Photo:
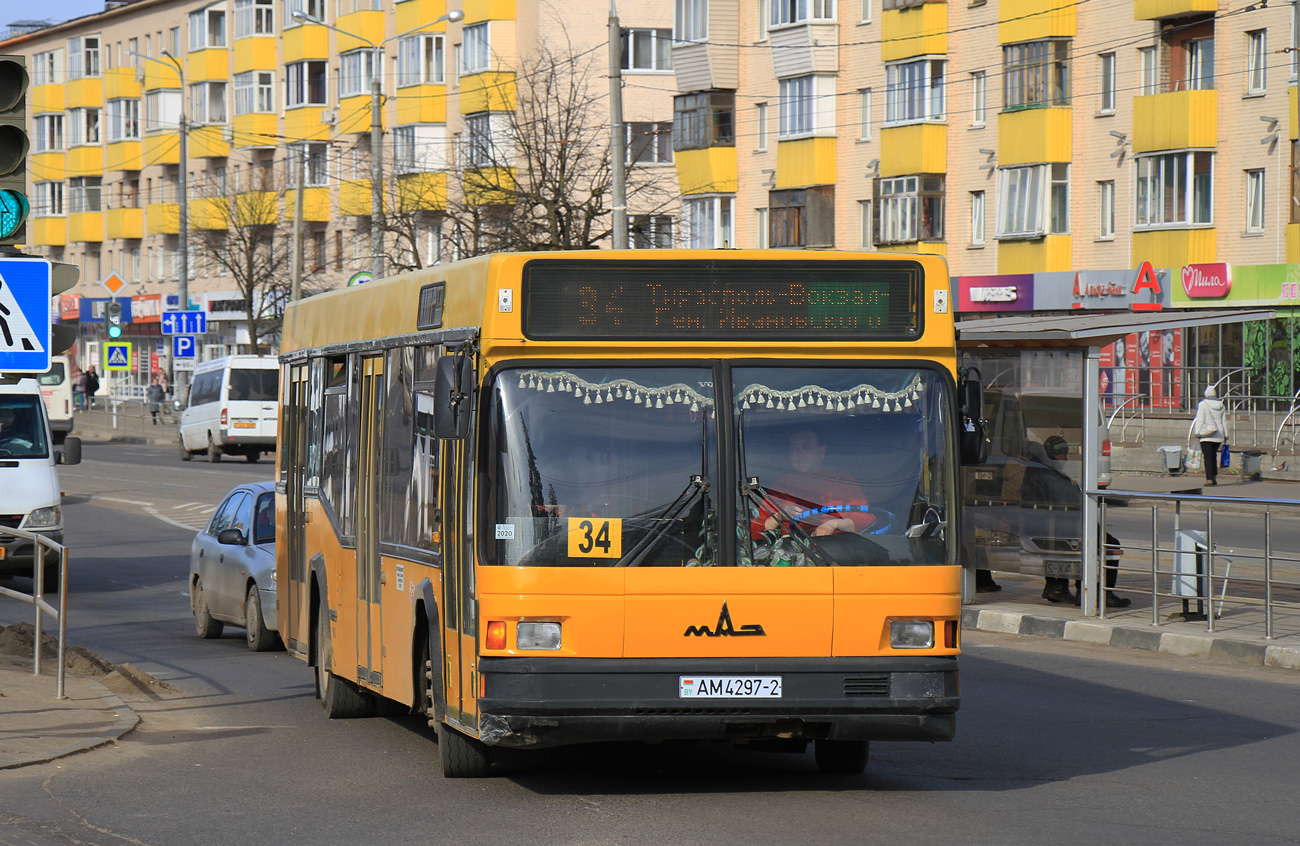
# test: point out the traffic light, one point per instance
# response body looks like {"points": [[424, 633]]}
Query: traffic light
{"points": [[113, 316], [14, 144]]}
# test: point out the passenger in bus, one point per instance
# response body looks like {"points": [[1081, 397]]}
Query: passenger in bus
{"points": [[810, 486]]}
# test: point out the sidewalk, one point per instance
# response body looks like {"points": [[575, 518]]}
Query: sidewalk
{"points": [[131, 424]]}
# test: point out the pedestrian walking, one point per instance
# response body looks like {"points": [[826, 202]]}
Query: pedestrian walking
{"points": [[92, 387], [155, 396], [1211, 428], [79, 391]]}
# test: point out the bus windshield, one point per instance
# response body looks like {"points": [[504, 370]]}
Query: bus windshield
{"points": [[617, 466]]}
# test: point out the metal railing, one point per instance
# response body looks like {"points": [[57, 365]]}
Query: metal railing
{"points": [[1186, 559], [37, 598]]}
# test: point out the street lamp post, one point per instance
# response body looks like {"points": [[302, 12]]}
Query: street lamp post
{"points": [[180, 377], [377, 128]]}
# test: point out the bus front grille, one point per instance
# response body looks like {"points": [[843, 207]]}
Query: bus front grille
{"points": [[876, 684]]}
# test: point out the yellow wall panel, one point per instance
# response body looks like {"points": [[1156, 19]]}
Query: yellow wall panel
{"points": [[124, 155], [1150, 10], [354, 197], [484, 186], [1175, 121], [86, 227], [928, 248], [304, 124], [355, 115], [256, 130], [1175, 247], [163, 218], [918, 31], [86, 161], [162, 148], [158, 75], [210, 213], [421, 104], [120, 83], [306, 41], [124, 223], [208, 65], [209, 142], [47, 167], [85, 93], [47, 98], [488, 10], [807, 161], [487, 92], [1043, 255], [255, 208], [48, 231], [421, 192], [916, 148], [315, 203], [1032, 136], [254, 53], [369, 25], [417, 13], [1293, 243], [1034, 20], [708, 171]]}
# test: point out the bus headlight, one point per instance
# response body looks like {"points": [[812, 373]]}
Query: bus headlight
{"points": [[911, 634], [537, 635], [44, 518]]}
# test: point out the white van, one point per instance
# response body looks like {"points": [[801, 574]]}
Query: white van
{"points": [[29, 484], [56, 388], [231, 408]]}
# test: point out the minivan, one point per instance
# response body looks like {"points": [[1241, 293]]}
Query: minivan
{"points": [[56, 388], [231, 408], [29, 484]]}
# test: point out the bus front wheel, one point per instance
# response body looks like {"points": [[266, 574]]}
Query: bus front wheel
{"points": [[841, 757], [462, 756], [339, 699]]}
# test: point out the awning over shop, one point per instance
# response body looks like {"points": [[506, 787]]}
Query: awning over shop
{"points": [[1087, 329]]}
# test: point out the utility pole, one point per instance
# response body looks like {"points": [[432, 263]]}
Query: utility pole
{"points": [[295, 287], [618, 131], [376, 169]]}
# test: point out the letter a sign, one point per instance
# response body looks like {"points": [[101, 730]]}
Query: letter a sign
{"points": [[1146, 281]]}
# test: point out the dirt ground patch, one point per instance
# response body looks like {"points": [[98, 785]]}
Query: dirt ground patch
{"points": [[19, 638]]}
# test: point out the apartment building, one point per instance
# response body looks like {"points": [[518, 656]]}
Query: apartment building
{"points": [[273, 100]]}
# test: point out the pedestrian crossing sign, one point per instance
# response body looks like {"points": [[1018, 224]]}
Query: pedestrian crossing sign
{"points": [[25, 315], [117, 355]]}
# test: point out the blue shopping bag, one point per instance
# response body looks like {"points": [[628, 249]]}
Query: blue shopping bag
{"points": [[1223, 456]]}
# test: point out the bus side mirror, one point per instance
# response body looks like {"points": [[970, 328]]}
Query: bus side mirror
{"points": [[972, 442], [452, 394]]}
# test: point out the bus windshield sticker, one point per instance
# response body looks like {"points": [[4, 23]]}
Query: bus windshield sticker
{"points": [[595, 537], [505, 531]]}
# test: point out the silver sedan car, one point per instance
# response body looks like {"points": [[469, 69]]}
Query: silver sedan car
{"points": [[232, 567]]}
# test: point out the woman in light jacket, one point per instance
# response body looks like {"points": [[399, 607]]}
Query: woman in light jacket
{"points": [[1211, 427]]}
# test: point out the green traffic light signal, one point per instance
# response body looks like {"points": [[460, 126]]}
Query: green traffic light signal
{"points": [[14, 144], [14, 209], [115, 331]]}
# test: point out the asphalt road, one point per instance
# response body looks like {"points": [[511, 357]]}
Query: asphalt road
{"points": [[1057, 742]]}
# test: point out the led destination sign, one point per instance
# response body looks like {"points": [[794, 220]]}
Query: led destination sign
{"points": [[721, 300]]}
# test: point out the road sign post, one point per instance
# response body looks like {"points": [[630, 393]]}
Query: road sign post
{"points": [[25, 315]]}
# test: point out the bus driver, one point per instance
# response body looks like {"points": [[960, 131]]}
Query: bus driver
{"points": [[811, 486]]}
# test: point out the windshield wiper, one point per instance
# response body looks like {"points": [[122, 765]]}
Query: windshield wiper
{"points": [[662, 521]]}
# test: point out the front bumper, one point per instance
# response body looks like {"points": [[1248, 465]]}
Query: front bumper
{"points": [[19, 553], [535, 703]]}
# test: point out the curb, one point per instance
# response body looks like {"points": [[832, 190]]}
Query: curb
{"points": [[126, 722], [1099, 633]]}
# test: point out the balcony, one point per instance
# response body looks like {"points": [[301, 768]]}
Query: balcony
{"points": [[124, 156], [1154, 10], [1034, 20], [48, 231], [86, 161], [210, 213], [1176, 247], [915, 31], [711, 170], [805, 161], [86, 227], [1033, 136], [1048, 254], [805, 48], [355, 115], [421, 104], [421, 192], [315, 203], [210, 141], [163, 218], [367, 24], [124, 223], [1175, 121], [304, 124], [48, 98], [120, 83], [255, 53], [354, 197], [913, 148], [212, 64], [85, 93], [305, 41], [255, 130], [491, 91], [162, 148]]}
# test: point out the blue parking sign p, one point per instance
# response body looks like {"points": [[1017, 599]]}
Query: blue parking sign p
{"points": [[25, 315], [183, 346]]}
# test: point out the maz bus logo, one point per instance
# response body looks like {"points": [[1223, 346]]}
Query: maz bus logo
{"points": [[726, 628]]}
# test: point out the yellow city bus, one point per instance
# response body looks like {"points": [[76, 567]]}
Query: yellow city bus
{"points": [[555, 498]]}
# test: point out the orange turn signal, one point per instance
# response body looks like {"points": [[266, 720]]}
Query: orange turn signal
{"points": [[496, 635]]}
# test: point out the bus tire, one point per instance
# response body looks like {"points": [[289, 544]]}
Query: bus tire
{"points": [[841, 757], [186, 455], [204, 625], [340, 699], [260, 638], [214, 451], [462, 756]]}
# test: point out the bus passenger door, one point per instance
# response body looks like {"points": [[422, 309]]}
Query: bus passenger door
{"points": [[296, 617], [370, 474], [458, 636]]}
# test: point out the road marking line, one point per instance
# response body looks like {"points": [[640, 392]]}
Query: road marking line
{"points": [[190, 505]]}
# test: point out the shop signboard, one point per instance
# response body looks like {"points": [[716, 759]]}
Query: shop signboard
{"points": [[1013, 292], [1238, 286]]}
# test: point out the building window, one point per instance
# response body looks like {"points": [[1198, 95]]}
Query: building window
{"points": [[1255, 201], [785, 12], [802, 217], [796, 107], [760, 113], [651, 232], [207, 29], [647, 49], [49, 199], [865, 224], [356, 72], [479, 148], [45, 67], [1257, 61], [650, 143], [914, 91], [316, 158], [708, 222], [864, 11], [208, 102], [123, 120], [314, 8], [305, 84], [864, 114], [1108, 81], [476, 50], [704, 120], [173, 41], [977, 218], [255, 92], [162, 110], [1059, 200], [83, 193], [1295, 39], [1200, 64], [691, 22], [760, 229], [1106, 209], [1036, 73], [83, 56], [254, 17], [49, 133], [1174, 189], [83, 127], [1033, 201], [421, 60], [979, 97], [1148, 71], [910, 209]]}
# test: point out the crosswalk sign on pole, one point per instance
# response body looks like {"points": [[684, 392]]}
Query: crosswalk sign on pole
{"points": [[25, 315], [117, 355]]}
